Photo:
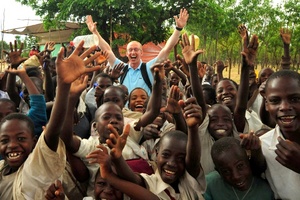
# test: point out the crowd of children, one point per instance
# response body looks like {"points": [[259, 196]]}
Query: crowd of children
{"points": [[85, 125]]}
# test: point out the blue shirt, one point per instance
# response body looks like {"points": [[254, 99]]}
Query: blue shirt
{"points": [[134, 77]]}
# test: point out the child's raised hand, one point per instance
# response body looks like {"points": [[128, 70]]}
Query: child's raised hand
{"points": [[101, 157], [243, 33], [116, 71], [285, 35], [192, 112], [78, 86], [201, 69], [158, 71], [182, 65], [18, 71], [172, 102], [188, 50], [15, 54], [150, 132], [220, 66], [69, 69], [288, 154], [117, 142], [55, 191], [249, 51], [250, 141]]}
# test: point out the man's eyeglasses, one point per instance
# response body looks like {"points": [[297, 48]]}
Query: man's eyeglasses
{"points": [[134, 49]]}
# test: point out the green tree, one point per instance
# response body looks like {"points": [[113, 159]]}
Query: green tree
{"points": [[141, 20], [3, 46]]}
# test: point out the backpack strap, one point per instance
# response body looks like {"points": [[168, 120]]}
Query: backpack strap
{"points": [[144, 75], [122, 77]]}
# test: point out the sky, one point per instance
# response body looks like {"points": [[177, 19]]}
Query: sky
{"points": [[14, 15]]}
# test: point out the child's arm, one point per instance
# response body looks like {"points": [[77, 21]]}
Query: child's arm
{"points": [[252, 142], [190, 56], [132, 190], [174, 108], [285, 35], [116, 143], [68, 70], [154, 104], [25, 79], [170, 66], [248, 57], [193, 116], [37, 111], [71, 141], [220, 68], [55, 191], [15, 60], [44, 58]]}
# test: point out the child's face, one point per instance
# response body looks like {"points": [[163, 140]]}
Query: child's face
{"points": [[220, 122], [174, 79], [103, 190], [265, 74], [5, 109], [103, 82], [234, 168], [137, 100], [283, 104], [16, 142], [171, 159], [109, 114], [209, 70], [113, 95], [214, 81], [226, 93]]}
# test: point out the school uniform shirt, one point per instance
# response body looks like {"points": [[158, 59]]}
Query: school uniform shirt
{"points": [[253, 123], [284, 181], [131, 151], [189, 187], [134, 77], [257, 104], [6, 183], [218, 189], [206, 142], [42, 167]]}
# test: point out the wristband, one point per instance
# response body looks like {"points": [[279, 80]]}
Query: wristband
{"points": [[178, 29]]}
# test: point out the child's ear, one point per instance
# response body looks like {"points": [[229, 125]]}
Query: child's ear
{"points": [[266, 103]]}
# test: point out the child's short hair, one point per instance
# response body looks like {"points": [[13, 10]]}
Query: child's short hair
{"points": [[137, 88], [234, 83], [103, 75], [284, 73], [4, 100], [21, 117], [119, 89], [179, 135], [224, 144]]}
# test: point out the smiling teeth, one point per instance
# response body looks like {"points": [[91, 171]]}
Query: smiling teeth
{"points": [[239, 184], [169, 172], [287, 117], [13, 155], [139, 106], [227, 98], [220, 131]]}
